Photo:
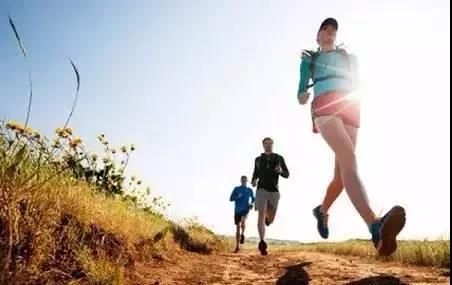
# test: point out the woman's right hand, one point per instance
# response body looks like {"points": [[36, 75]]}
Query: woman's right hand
{"points": [[303, 98]]}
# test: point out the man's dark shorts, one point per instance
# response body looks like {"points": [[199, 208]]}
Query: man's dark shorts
{"points": [[238, 217]]}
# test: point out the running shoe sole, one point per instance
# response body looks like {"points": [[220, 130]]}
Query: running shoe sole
{"points": [[389, 231], [242, 239]]}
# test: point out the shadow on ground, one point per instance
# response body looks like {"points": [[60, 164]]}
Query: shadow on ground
{"points": [[378, 280], [295, 275]]}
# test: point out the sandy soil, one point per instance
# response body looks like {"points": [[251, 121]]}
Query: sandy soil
{"points": [[283, 268]]}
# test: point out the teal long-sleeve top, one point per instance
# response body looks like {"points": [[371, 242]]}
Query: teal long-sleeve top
{"points": [[341, 73]]}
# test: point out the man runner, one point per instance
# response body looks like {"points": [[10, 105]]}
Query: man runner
{"points": [[241, 196], [267, 169]]}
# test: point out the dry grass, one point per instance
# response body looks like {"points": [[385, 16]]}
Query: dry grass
{"points": [[101, 270], [64, 231], [113, 214], [422, 253], [412, 252], [196, 238]]}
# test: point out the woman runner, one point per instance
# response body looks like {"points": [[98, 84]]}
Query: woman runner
{"points": [[336, 116]]}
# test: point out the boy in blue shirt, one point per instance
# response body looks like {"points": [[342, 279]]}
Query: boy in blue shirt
{"points": [[241, 196]]}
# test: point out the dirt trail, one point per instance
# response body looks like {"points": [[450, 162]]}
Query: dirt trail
{"points": [[285, 268]]}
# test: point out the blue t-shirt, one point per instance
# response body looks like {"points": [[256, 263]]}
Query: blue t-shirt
{"points": [[241, 196]]}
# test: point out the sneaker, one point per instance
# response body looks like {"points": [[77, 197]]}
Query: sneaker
{"points": [[322, 222], [267, 222], [263, 248], [237, 250], [242, 239], [385, 231]]}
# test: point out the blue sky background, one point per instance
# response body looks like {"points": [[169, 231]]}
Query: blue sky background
{"points": [[197, 84]]}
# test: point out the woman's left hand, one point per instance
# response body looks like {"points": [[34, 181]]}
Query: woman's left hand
{"points": [[303, 98]]}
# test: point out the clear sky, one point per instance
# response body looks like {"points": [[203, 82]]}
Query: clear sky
{"points": [[197, 84]]}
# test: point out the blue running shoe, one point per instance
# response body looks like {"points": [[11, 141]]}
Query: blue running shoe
{"points": [[385, 231], [322, 223]]}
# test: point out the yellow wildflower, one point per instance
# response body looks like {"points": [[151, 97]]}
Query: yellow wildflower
{"points": [[75, 142], [56, 143], [11, 125], [36, 135], [17, 127], [63, 133], [28, 131]]}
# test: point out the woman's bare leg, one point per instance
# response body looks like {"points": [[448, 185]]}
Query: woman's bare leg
{"points": [[334, 189], [336, 186], [335, 134]]}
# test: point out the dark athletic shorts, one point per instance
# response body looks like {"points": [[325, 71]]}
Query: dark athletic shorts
{"points": [[238, 217], [336, 103]]}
